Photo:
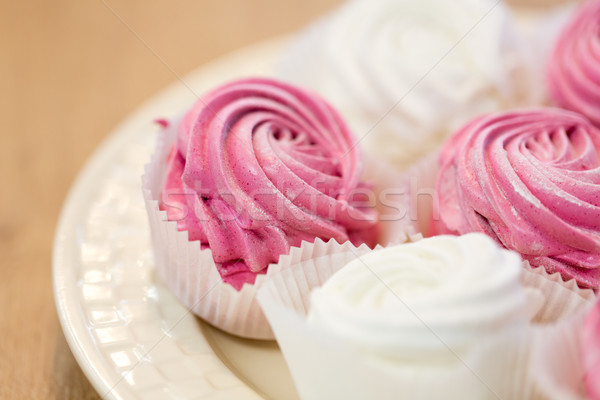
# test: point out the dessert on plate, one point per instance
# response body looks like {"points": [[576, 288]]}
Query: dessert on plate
{"points": [[530, 179], [260, 187], [254, 169]]}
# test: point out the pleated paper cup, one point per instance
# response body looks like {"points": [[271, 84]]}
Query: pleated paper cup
{"points": [[192, 276], [561, 299], [556, 366], [324, 367]]}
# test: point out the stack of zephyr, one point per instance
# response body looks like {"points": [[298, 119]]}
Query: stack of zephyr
{"points": [[409, 205]]}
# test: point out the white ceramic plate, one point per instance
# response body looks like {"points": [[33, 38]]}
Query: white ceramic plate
{"points": [[130, 336]]}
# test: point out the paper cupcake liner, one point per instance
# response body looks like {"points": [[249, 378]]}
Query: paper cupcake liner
{"points": [[556, 367], [191, 275], [561, 299], [497, 367]]}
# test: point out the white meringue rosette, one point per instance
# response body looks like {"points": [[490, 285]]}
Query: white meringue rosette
{"points": [[191, 275], [422, 319], [405, 73]]}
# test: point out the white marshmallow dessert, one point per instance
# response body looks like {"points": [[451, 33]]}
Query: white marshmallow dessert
{"points": [[425, 302], [406, 73]]}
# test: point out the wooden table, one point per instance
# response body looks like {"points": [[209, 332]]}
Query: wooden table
{"points": [[70, 71]]}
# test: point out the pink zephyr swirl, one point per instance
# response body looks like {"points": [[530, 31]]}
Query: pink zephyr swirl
{"points": [[574, 68], [260, 166], [590, 352], [531, 180]]}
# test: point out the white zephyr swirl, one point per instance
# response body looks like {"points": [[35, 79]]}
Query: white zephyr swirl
{"points": [[424, 302], [405, 73]]}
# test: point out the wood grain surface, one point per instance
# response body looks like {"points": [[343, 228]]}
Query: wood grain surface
{"points": [[70, 70]]}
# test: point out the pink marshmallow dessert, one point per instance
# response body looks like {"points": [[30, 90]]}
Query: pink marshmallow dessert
{"points": [[530, 179], [257, 169], [574, 67]]}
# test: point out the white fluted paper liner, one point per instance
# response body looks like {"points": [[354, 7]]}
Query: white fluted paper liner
{"points": [[191, 275], [562, 299], [324, 367]]}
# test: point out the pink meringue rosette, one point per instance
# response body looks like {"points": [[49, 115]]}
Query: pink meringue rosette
{"points": [[555, 361], [562, 295], [258, 175], [574, 66], [531, 180]]}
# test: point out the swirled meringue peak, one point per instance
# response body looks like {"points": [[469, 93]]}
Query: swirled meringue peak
{"points": [[590, 352], [260, 166], [531, 180], [574, 67], [406, 73], [425, 302]]}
